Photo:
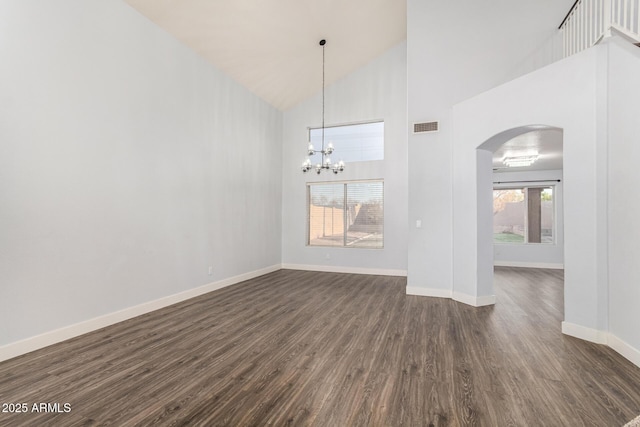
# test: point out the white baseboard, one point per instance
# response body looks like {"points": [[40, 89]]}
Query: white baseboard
{"points": [[48, 338], [525, 264], [600, 337], [627, 351], [474, 301], [351, 270], [429, 292], [584, 333], [456, 296]]}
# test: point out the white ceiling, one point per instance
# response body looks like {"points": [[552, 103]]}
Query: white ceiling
{"points": [[271, 46], [546, 143]]}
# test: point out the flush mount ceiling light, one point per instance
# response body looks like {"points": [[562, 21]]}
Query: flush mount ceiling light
{"points": [[325, 160], [520, 161]]}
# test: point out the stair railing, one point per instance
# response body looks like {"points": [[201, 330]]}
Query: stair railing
{"points": [[590, 21]]}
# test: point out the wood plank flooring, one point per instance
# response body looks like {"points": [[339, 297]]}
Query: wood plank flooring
{"points": [[324, 349]]}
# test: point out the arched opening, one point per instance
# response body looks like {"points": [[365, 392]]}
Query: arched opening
{"points": [[520, 201]]}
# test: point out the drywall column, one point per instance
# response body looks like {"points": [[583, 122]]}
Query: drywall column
{"points": [[561, 95], [484, 181], [624, 199]]}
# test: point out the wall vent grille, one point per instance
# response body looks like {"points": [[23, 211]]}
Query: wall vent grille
{"points": [[426, 127]]}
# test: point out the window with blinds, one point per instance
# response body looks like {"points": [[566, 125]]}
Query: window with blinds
{"points": [[346, 214]]}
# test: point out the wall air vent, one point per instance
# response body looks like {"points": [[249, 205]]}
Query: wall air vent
{"points": [[426, 127]]}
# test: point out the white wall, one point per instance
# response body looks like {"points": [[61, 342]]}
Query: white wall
{"points": [[128, 165], [624, 195], [550, 51], [593, 96], [456, 50], [534, 255], [375, 91], [562, 95]]}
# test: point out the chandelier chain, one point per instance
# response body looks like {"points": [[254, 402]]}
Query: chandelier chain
{"points": [[323, 97], [324, 152]]}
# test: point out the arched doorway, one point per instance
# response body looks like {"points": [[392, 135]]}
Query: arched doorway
{"points": [[520, 201]]}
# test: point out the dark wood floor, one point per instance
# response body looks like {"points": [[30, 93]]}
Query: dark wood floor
{"points": [[302, 348]]}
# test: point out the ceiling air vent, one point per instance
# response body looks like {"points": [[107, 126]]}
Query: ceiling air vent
{"points": [[426, 127]]}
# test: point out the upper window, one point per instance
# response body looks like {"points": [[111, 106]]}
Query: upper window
{"points": [[352, 143], [348, 214], [523, 215]]}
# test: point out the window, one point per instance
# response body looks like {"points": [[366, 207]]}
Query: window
{"points": [[353, 143], [358, 223], [523, 215]]}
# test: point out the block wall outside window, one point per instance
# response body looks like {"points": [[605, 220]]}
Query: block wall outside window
{"points": [[346, 214], [523, 215]]}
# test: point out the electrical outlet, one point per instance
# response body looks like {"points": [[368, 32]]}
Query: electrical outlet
{"points": [[210, 270], [418, 223]]}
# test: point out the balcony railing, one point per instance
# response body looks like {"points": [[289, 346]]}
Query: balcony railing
{"points": [[589, 21]]}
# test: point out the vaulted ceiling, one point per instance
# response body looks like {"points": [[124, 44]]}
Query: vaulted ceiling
{"points": [[271, 46]]}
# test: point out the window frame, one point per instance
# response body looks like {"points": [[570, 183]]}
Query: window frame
{"points": [[525, 188], [364, 122], [345, 184]]}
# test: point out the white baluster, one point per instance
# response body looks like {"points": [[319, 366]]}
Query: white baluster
{"points": [[587, 15], [633, 17], [572, 36], [575, 32], [631, 23], [583, 25], [617, 12], [594, 22], [625, 19], [607, 18], [600, 18], [569, 40], [590, 30], [638, 17], [580, 11]]}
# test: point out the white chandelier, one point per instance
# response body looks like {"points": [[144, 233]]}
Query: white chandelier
{"points": [[325, 162]]}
